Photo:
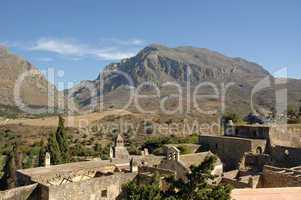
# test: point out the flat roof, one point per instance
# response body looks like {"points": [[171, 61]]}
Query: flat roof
{"points": [[69, 168], [286, 193]]}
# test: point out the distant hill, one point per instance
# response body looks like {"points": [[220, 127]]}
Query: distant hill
{"points": [[159, 64], [34, 88]]}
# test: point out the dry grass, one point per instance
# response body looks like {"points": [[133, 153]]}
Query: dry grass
{"points": [[70, 121]]}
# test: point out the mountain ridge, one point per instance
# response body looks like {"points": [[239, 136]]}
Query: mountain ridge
{"points": [[159, 64]]}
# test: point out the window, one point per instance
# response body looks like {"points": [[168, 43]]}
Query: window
{"points": [[104, 193]]}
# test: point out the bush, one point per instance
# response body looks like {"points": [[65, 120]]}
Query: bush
{"points": [[134, 150], [231, 116]]}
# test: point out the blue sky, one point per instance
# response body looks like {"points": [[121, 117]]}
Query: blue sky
{"points": [[81, 37]]}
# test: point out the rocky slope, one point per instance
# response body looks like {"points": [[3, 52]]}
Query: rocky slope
{"points": [[34, 88]]}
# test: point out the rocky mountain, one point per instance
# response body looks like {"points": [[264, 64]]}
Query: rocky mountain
{"points": [[34, 87], [159, 64]]}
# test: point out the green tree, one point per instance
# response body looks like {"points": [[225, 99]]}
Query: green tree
{"points": [[42, 154], [62, 141], [231, 116], [8, 179], [133, 191], [196, 187], [54, 150]]}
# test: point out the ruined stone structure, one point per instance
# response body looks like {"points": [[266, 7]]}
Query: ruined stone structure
{"points": [[91, 180], [282, 143], [249, 150], [245, 152], [231, 150], [102, 179]]}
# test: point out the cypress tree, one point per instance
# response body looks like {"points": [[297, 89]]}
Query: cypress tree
{"points": [[54, 150], [42, 153], [62, 141]]}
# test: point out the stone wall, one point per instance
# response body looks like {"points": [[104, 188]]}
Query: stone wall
{"points": [[286, 156], [175, 166], [280, 177], [160, 171], [231, 150], [106, 187], [20, 193], [289, 136], [249, 131]]}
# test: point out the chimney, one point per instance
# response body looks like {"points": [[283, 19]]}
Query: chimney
{"points": [[47, 159]]}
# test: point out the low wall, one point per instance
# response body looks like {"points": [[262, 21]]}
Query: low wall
{"points": [[19, 193], [106, 187], [235, 183], [280, 177]]}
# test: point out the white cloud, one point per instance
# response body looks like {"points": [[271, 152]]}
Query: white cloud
{"points": [[113, 55], [45, 59], [117, 50], [57, 46], [129, 42]]}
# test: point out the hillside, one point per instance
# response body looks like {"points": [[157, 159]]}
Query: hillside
{"points": [[34, 88]]}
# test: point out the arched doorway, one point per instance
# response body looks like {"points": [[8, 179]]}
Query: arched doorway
{"points": [[259, 150]]}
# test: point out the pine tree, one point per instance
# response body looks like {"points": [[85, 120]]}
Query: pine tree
{"points": [[62, 141], [54, 150]]}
